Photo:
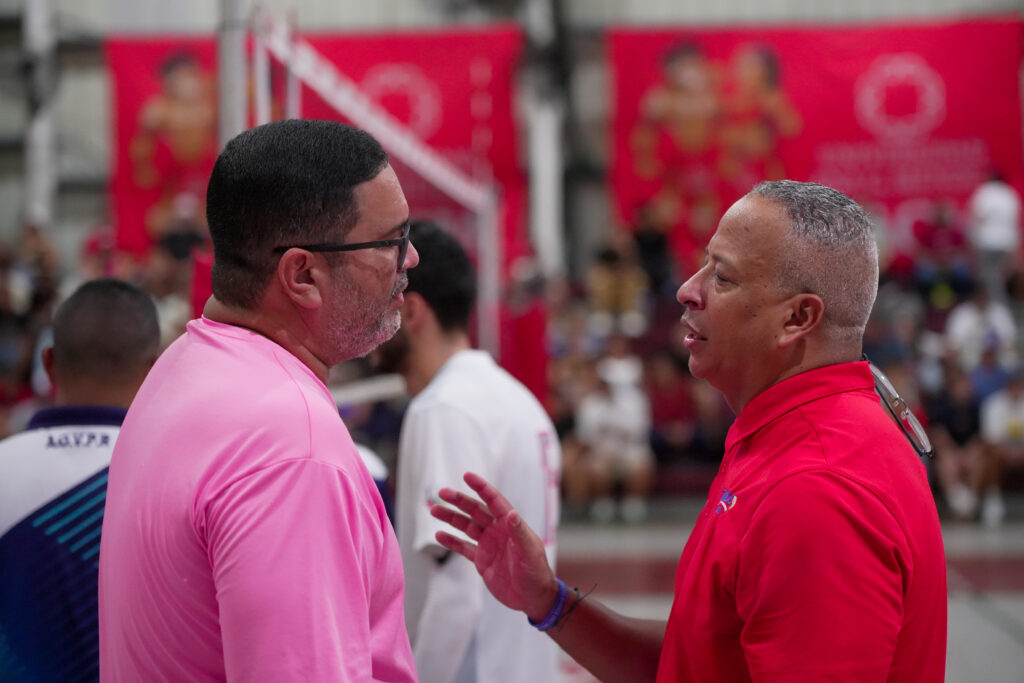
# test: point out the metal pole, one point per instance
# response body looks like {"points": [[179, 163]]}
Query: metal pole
{"points": [[293, 88], [40, 143], [545, 116], [231, 70], [261, 74], [489, 269]]}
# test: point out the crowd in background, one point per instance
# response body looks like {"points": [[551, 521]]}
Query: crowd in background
{"points": [[946, 329], [633, 422]]}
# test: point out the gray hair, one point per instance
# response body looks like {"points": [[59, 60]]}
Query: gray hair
{"points": [[830, 251]]}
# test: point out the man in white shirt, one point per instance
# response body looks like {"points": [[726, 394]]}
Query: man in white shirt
{"points": [[1002, 431], [979, 323], [995, 231], [467, 414]]}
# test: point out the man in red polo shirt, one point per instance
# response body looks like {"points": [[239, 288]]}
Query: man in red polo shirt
{"points": [[818, 555]]}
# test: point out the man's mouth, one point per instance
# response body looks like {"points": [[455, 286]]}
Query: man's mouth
{"points": [[693, 335], [400, 286]]}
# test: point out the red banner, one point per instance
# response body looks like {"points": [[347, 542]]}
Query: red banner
{"points": [[452, 88], [164, 136], [897, 116]]}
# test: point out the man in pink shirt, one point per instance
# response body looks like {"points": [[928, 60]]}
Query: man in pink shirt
{"points": [[818, 555], [243, 537]]}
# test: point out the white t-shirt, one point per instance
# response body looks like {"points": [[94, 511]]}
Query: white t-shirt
{"points": [[615, 424], [995, 213], [1002, 419], [473, 416], [970, 329]]}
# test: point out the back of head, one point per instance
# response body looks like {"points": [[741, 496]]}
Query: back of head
{"points": [[445, 277], [105, 334], [830, 251], [283, 183]]}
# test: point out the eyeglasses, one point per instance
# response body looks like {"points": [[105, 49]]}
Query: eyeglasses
{"points": [[901, 413], [401, 242]]}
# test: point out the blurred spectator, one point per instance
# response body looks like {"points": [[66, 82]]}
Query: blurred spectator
{"points": [[617, 289], [655, 254], [881, 344], [1015, 291], [978, 323], [168, 279], [995, 231], [955, 429], [673, 413], [942, 269], [620, 366], [612, 425], [989, 375], [1002, 429]]}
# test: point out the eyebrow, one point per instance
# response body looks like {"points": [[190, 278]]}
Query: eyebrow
{"points": [[724, 260], [400, 228]]}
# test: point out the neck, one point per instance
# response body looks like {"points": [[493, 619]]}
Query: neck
{"points": [[96, 394], [803, 358], [429, 353], [293, 336]]}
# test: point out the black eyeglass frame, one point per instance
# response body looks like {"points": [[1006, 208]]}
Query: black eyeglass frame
{"points": [[901, 414], [401, 242]]}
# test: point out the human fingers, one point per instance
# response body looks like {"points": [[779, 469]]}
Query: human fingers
{"points": [[458, 545], [458, 521], [496, 503], [471, 506]]}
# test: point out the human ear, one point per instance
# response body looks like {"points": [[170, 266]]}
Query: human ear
{"points": [[804, 313], [301, 275]]}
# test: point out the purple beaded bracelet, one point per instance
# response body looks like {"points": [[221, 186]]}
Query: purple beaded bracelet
{"points": [[556, 611]]}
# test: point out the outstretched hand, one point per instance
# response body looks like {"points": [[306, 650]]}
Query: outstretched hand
{"points": [[508, 555]]}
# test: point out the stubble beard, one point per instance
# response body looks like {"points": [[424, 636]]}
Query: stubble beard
{"points": [[354, 338]]}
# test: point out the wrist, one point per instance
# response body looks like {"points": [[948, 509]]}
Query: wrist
{"points": [[545, 600], [542, 619]]}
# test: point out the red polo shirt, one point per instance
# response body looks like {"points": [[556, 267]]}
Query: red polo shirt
{"points": [[818, 555]]}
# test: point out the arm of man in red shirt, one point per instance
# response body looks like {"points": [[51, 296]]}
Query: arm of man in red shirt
{"points": [[510, 558]]}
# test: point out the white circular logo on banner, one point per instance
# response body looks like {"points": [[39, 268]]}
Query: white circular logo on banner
{"points": [[408, 81], [905, 71]]}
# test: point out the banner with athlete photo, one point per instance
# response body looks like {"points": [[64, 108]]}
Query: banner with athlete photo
{"points": [[899, 116], [164, 140], [452, 88]]}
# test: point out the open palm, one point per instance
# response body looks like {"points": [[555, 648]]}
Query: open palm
{"points": [[507, 554]]}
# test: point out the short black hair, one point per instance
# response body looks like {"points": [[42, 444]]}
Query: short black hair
{"points": [[285, 182], [445, 276], [106, 332]]}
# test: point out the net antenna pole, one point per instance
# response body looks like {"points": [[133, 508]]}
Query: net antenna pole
{"points": [[489, 275], [293, 88], [39, 43], [232, 72], [261, 75]]}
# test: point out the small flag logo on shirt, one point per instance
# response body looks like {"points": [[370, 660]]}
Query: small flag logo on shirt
{"points": [[726, 502]]}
